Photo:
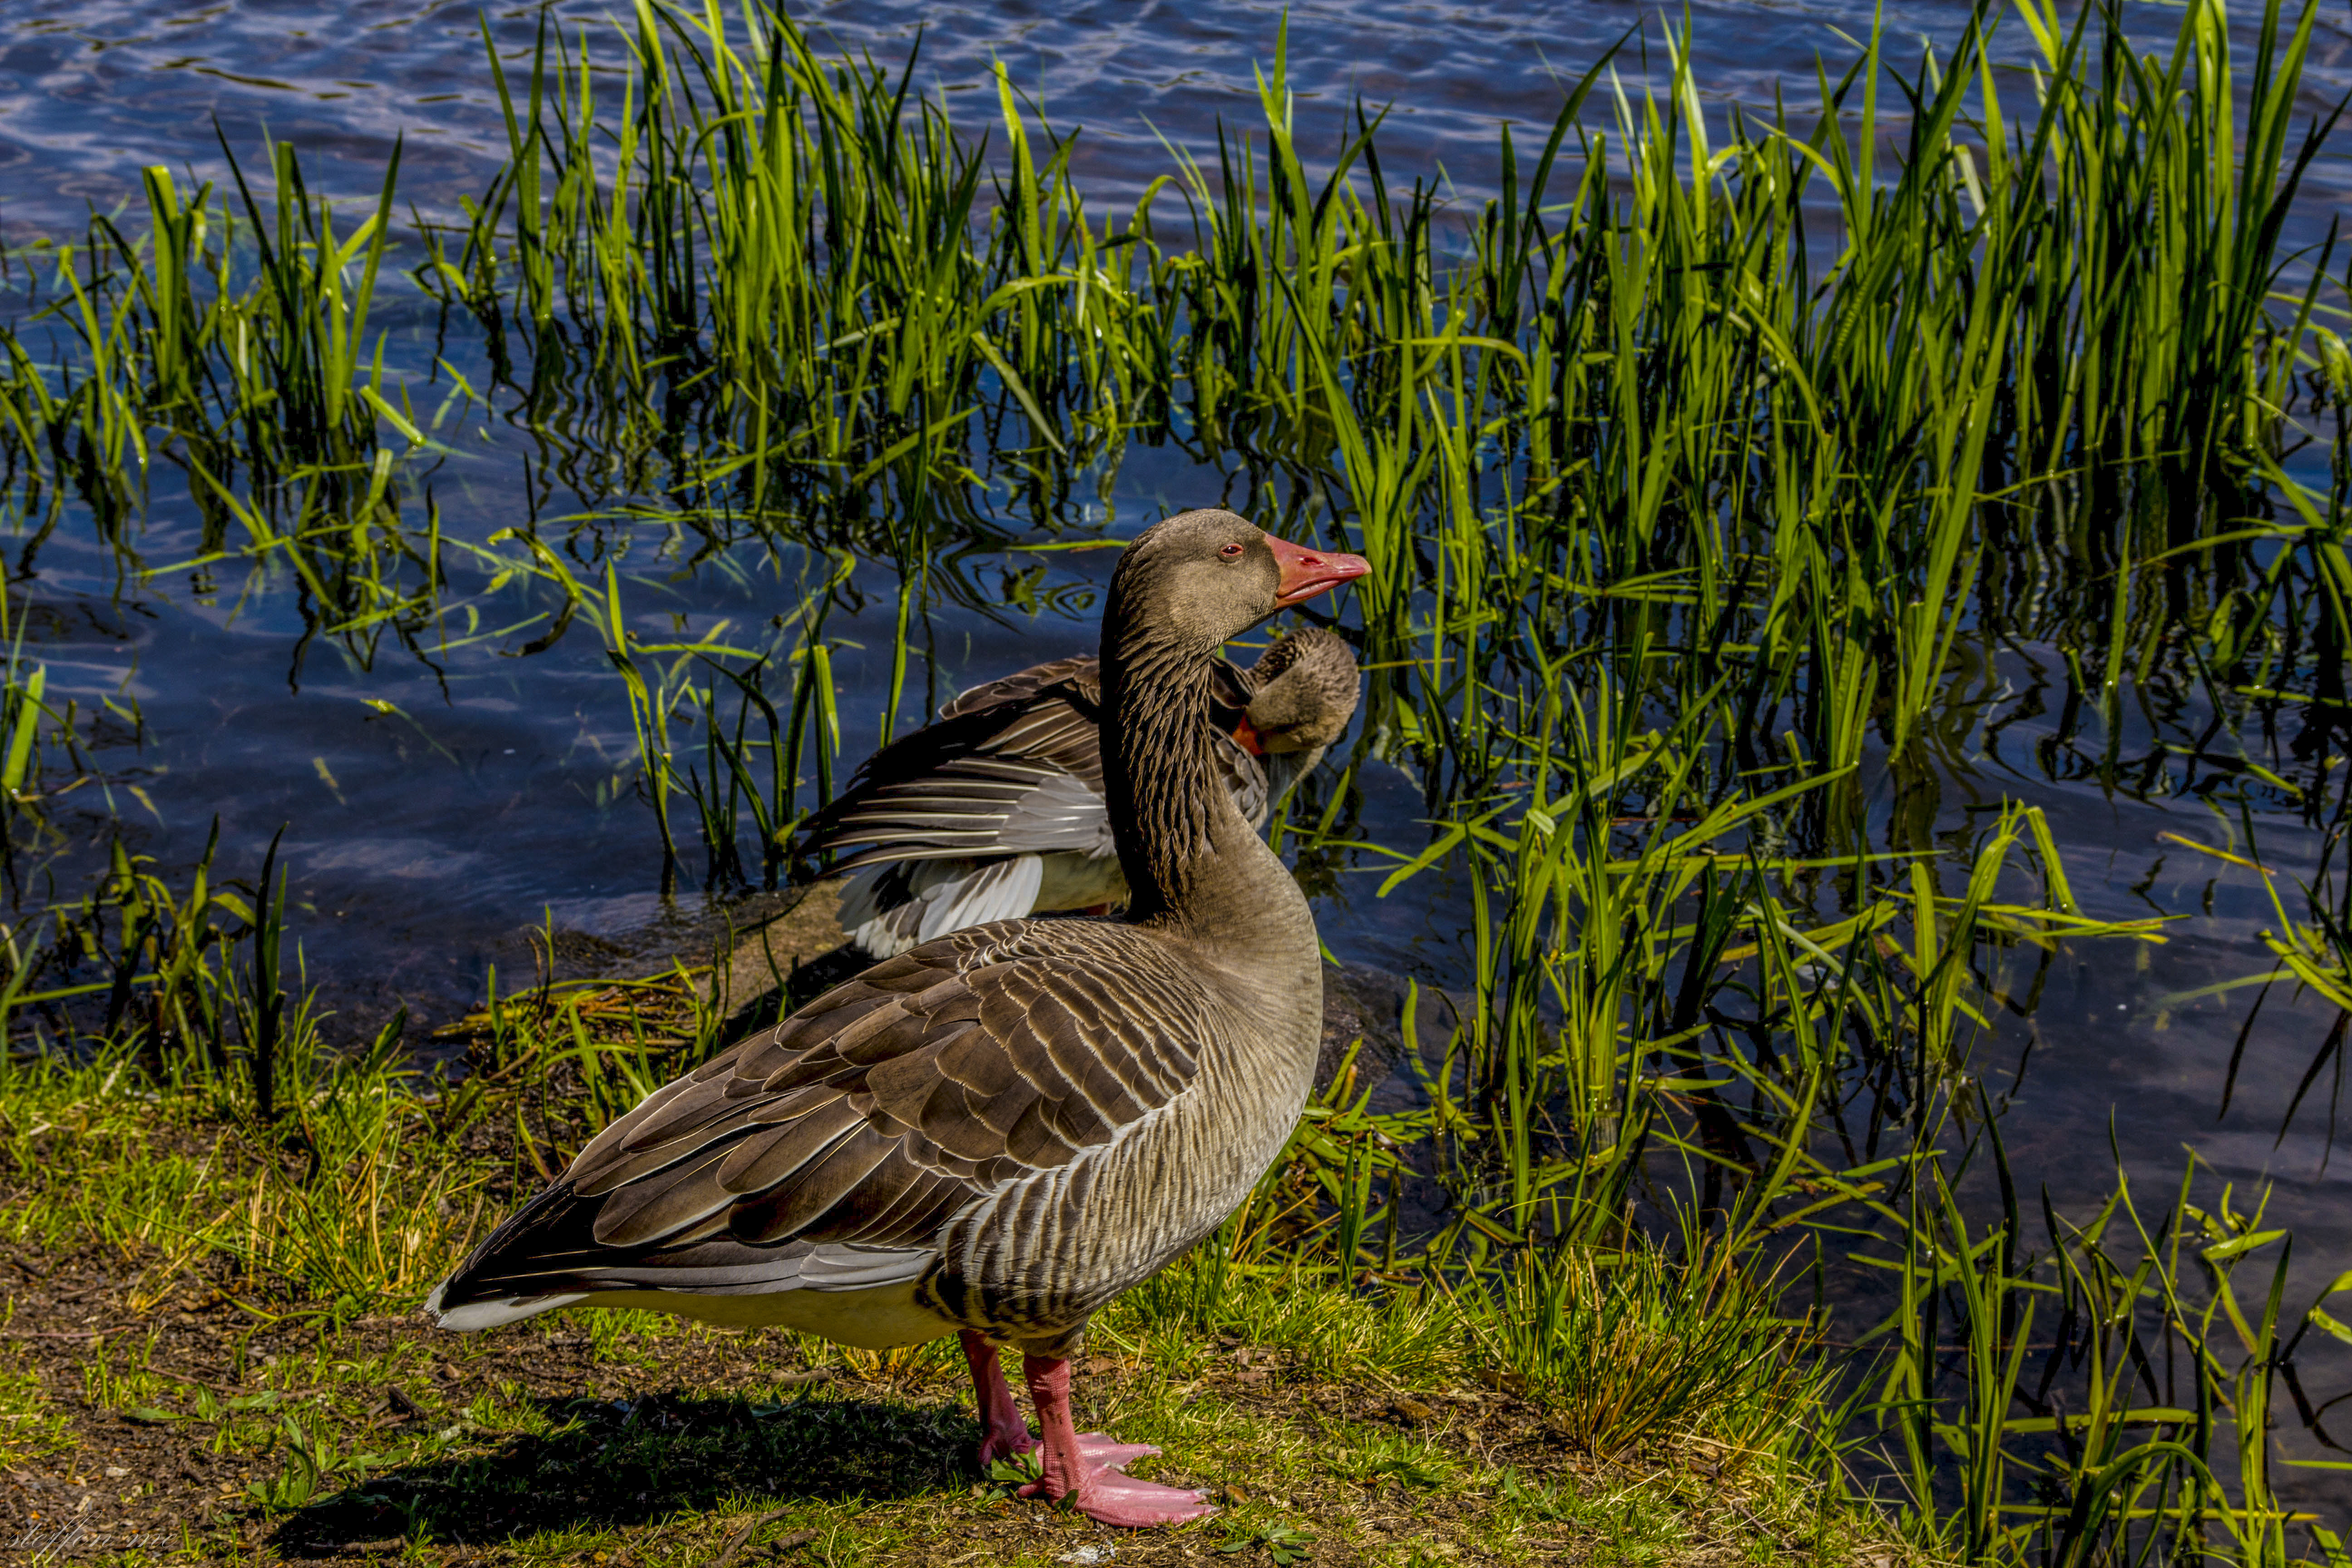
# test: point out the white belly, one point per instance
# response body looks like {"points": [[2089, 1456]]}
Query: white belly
{"points": [[877, 1317]]}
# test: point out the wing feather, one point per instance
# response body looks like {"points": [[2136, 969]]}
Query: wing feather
{"points": [[670, 1203], [1082, 671], [766, 1160], [782, 1212], [954, 787], [999, 890], [917, 1215]]}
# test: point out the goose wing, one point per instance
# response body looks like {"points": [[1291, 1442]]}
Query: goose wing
{"points": [[835, 1147], [1011, 767], [1083, 672]]}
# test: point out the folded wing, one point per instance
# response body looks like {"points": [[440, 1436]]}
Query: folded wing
{"points": [[834, 1150]]}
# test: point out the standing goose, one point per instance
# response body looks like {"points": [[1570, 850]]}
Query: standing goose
{"points": [[997, 810], [995, 1133]]}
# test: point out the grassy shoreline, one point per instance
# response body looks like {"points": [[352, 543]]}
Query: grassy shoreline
{"points": [[210, 1332]]}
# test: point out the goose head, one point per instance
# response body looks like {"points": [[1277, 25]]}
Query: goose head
{"points": [[1182, 591], [1201, 578], [1306, 693]]}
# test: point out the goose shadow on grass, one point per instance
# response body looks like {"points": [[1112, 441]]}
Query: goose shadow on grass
{"points": [[607, 1464]]}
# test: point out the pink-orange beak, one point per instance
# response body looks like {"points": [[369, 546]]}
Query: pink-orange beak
{"points": [[1306, 572]]}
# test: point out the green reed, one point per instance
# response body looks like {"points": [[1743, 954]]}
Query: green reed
{"points": [[791, 299], [2101, 1408], [792, 260], [46, 756]]}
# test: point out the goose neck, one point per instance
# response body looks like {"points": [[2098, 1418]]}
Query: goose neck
{"points": [[1186, 850]]}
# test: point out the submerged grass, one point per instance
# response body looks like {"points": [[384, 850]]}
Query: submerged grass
{"points": [[1706, 472]]}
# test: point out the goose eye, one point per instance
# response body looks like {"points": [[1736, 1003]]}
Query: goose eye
{"points": [[1230, 552]]}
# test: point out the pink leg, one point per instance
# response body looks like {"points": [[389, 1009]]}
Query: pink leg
{"points": [[1003, 1433], [1086, 1472]]}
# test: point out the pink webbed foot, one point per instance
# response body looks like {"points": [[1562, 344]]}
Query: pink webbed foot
{"points": [[1103, 1455], [995, 1445], [1111, 1497], [1105, 1452], [1086, 1472]]}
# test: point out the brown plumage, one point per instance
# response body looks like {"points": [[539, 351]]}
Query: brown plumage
{"points": [[997, 810], [998, 1131]]}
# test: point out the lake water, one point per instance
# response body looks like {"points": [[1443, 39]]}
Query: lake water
{"points": [[421, 844]]}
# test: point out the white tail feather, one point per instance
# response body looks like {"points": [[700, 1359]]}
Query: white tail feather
{"points": [[476, 1316]]}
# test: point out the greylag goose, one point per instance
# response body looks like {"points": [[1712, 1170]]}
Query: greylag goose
{"points": [[997, 810], [996, 1133]]}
